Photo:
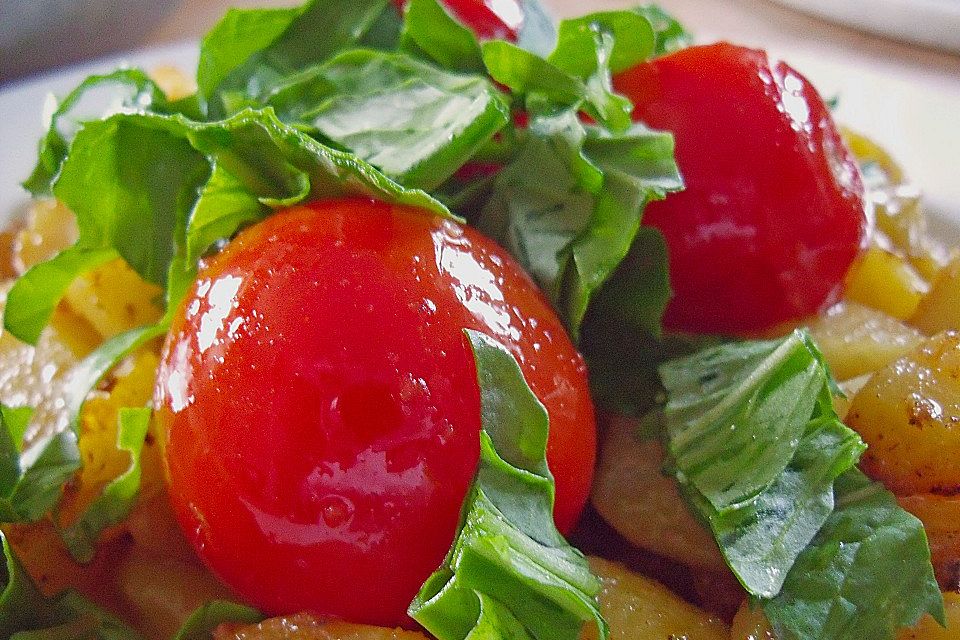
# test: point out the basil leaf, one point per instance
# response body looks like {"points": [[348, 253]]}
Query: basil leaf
{"points": [[26, 614], [569, 205], [671, 35], [578, 72], [31, 481], [239, 66], [756, 447], [129, 186], [525, 73], [238, 35], [224, 206], [119, 496], [429, 29], [207, 617], [510, 573], [135, 180], [865, 574], [414, 122], [36, 294], [96, 97]]}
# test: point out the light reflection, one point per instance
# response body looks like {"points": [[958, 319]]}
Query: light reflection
{"points": [[220, 301]]}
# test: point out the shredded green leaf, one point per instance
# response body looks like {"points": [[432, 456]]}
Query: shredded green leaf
{"points": [[510, 574], [763, 460]]}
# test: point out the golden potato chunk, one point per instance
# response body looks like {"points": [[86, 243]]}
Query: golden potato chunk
{"points": [[631, 493], [752, 625], [307, 627], [929, 629], [173, 82], [638, 608], [940, 309], [886, 281], [49, 229], [941, 520], [856, 339], [114, 298], [160, 592], [909, 415]]}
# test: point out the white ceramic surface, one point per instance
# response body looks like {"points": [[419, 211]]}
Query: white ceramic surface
{"points": [[38, 34], [935, 23], [916, 120]]}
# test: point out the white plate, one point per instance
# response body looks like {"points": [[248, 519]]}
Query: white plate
{"points": [[916, 121], [934, 23]]}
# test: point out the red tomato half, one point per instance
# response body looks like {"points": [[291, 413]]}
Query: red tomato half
{"points": [[773, 213], [489, 19], [321, 408]]}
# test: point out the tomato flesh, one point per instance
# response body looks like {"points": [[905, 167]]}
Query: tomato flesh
{"points": [[773, 214], [489, 19], [321, 408]]}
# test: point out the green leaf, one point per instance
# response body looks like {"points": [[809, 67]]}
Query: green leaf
{"points": [[414, 122], [429, 29], [31, 480], [35, 295], [510, 574], [525, 73], [224, 206], [26, 614], [756, 447], [231, 42], [207, 617], [250, 53], [119, 495], [129, 186], [637, 293], [578, 72], [631, 35], [671, 35], [866, 573], [143, 188], [96, 97], [569, 206]]}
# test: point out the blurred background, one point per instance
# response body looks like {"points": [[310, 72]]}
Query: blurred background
{"points": [[40, 34]]}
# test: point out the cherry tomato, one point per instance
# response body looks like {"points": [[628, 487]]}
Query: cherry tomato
{"points": [[320, 405], [489, 19], [773, 212]]}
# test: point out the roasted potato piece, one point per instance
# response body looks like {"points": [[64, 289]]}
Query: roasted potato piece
{"points": [[638, 608], [929, 629], [940, 309], [174, 82], [160, 592], [307, 627], [631, 493], [909, 415], [752, 625], [36, 376], [131, 385], [941, 519], [886, 281], [49, 229], [856, 339], [114, 298]]}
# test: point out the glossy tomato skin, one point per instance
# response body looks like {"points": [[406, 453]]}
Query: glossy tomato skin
{"points": [[321, 408], [773, 212], [489, 19]]}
